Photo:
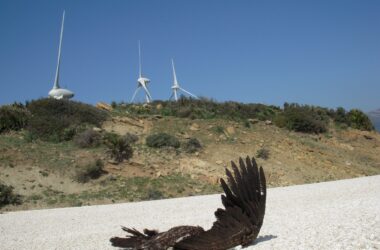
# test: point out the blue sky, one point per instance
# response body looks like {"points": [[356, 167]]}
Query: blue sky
{"points": [[323, 53]]}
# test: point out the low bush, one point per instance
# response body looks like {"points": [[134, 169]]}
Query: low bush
{"points": [[160, 140], [153, 194], [247, 123], [113, 104], [59, 120], [354, 119], [192, 145], [13, 117], [219, 129], [358, 120], [119, 147], [340, 116], [307, 119], [88, 138], [7, 197], [91, 171], [262, 153]]}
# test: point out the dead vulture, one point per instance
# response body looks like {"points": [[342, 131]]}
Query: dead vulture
{"points": [[238, 223]]}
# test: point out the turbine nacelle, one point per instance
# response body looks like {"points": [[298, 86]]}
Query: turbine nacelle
{"points": [[143, 80], [58, 93]]}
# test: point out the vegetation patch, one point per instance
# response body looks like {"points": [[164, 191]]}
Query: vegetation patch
{"points": [[300, 118], [218, 129], [263, 153], [160, 140], [192, 145], [59, 120], [91, 171], [358, 120], [87, 139], [7, 196], [203, 108], [13, 117], [119, 147], [305, 119]]}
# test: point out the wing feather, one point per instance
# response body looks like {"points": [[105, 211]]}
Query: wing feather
{"points": [[244, 207]]}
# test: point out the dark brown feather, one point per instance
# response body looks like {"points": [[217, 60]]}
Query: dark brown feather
{"points": [[238, 223]]}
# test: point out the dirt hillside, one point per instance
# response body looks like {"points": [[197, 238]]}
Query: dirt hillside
{"points": [[43, 173]]}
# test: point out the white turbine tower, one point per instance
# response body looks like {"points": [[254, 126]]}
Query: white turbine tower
{"points": [[176, 86], [142, 82], [57, 92]]}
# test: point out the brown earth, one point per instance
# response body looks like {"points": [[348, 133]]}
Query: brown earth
{"points": [[44, 172]]}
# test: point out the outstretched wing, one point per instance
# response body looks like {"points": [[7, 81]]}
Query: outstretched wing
{"points": [[153, 240], [240, 221]]}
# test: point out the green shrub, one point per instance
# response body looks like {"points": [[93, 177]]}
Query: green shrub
{"points": [[59, 120], [262, 153], [359, 120], [153, 194], [219, 129], [119, 147], [13, 117], [247, 123], [307, 119], [91, 171], [129, 137], [340, 116], [192, 145], [88, 138], [7, 197], [69, 133], [29, 137], [160, 140]]}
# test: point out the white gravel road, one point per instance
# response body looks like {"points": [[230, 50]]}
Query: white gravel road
{"points": [[332, 215]]}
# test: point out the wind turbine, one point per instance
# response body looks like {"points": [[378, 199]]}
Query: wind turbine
{"points": [[57, 92], [142, 82], [176, 86]]}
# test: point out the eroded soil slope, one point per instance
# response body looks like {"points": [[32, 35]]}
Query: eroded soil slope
{"points": [[44, 173]]}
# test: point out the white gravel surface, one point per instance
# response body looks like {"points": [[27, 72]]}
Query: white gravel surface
{"points": [[331, 215]]}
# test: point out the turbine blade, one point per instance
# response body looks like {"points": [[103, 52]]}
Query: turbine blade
{"points": [[134, 95], [187, 92], [174, 74], [171, 96], [139, 59], [56, 80]]}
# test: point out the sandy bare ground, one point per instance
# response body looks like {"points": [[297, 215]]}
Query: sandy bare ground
{"points": [[332, 215]]}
